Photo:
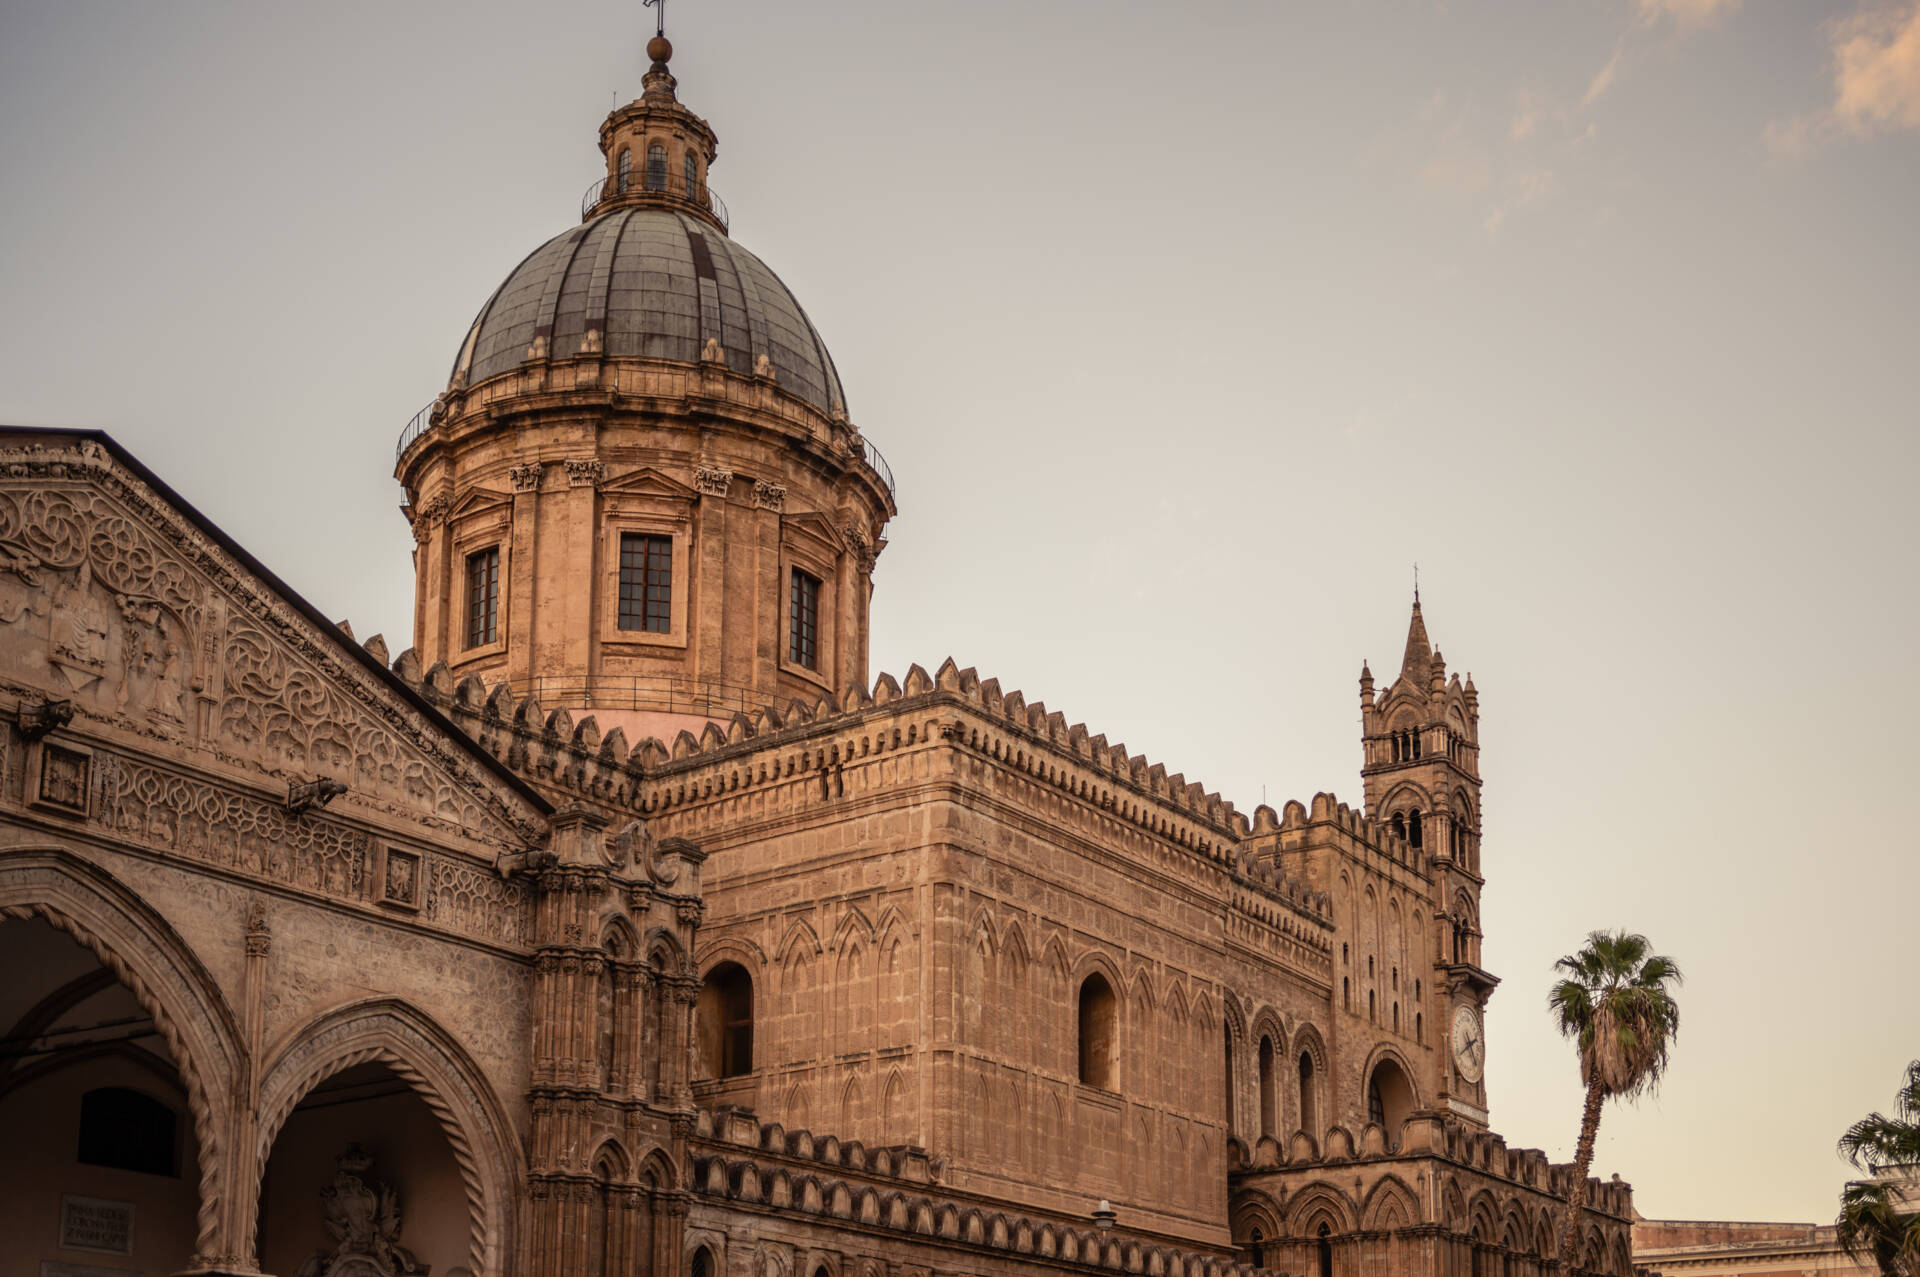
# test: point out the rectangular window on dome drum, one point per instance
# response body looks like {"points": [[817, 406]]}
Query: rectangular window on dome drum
{"points": [[646, 583], [483, 596], [693, 177], [803, 621]]}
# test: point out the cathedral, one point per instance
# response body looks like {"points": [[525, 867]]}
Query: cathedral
{"points": [[621, 922]]}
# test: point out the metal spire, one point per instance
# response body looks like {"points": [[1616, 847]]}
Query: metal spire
{"points": [[660, 14]]}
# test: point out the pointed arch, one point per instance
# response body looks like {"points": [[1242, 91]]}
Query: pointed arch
{"points": [[429, 1059], [1483, 1217], [1013, 942], [613, 1157], [1321, 1203], [797, 1113], [619, 939], [656, 1171], [1391, 1204], [1140, 987], [733, 948], [982, 924], [798, 935], [893, 1110], [665, 952], [1408, 795], [1252, 1209], [853, 1109], [1513, 1230], [853, 923], [171, 984]]}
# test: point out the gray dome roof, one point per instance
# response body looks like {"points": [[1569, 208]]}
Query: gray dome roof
{"points": [[657, 284]]}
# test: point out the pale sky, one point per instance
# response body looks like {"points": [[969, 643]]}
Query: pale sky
{"points": [[1187, 329]]}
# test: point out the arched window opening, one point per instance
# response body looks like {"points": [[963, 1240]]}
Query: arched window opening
{"points": [[603, 1256], [693, 176], [821, 1270], [1326, 1251], [1268, 1123], [1228, 1029], [128, 1131], [701, 1265], [1309, 1112], [1416, 742], [626, 169], [1396, 979], [724, 1017], [1372, 1010], [1346, 994], [1389, 1099], [1369, 966], [1399, 824], [1343, 953], [1099, 1032], [1413, 828], [603, 1023], [1396, 1017], [656, 167], [1419, 1028]]}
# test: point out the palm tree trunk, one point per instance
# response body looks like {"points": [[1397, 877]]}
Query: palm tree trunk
{"points": [[1582, 1160]]}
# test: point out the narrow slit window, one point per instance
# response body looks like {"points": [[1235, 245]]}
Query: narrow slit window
{"points": [[646, 583], [483, 596], [803, 621]]}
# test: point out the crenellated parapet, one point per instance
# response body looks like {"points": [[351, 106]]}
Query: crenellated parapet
{"points": [[827, 1187], [569, 758], [1442, 1184]]}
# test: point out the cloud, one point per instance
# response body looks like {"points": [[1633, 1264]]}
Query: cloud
{"points": [[1876, 54], [1603, 79], [1684, 15]]}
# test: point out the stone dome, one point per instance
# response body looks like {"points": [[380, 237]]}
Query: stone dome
{"points": [[653, 283]]}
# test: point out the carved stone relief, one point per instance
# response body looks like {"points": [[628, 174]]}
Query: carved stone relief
{"points": [[712, 481], [475, 901], [770, 496], [363, 1215], [189, 817], [585, 472], [108, 599]]}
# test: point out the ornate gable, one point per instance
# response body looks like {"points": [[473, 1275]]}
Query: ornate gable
{"points": [[119, 600]]}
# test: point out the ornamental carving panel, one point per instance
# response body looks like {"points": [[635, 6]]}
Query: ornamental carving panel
{"points": [[476, 901], [188, 817], [110, 600], [712, 481]]}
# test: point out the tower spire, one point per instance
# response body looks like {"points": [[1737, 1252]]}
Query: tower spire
{"points": [[659, 8], [1419, 655]]}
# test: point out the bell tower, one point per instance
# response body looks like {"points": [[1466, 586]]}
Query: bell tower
{"points": [[1420, 767]]}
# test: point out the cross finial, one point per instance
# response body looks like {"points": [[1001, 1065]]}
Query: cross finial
{"points": [[1416, 582], [660, 14]]}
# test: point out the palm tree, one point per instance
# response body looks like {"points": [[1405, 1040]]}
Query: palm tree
{"points": [[1877, 1223], [1613, 999]]}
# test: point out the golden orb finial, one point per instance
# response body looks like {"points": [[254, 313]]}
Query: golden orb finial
{"points": [[660, 49]]}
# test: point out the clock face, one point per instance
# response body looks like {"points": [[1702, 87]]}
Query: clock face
{"points": [[1469, 1044]]}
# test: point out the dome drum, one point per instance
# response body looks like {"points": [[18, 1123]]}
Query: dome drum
{"points": [[640, 492]]}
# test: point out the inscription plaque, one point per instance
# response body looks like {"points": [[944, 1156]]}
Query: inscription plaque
{"points": [[95, 1223]]}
